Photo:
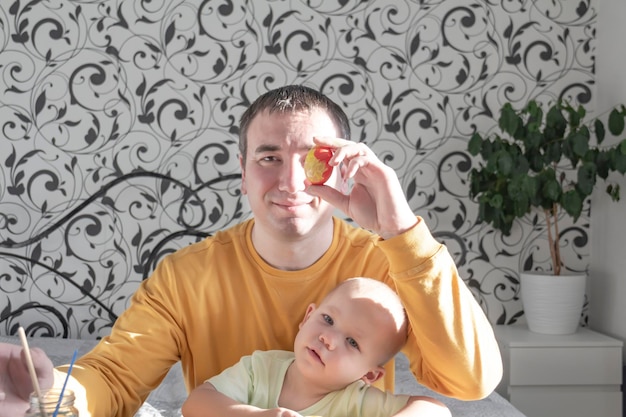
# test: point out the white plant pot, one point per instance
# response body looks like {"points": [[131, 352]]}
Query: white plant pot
{"points": [[553, 303]]}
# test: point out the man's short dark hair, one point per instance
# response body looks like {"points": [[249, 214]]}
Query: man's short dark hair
{"points": [[291, 99]]}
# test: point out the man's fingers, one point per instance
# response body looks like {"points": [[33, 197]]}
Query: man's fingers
{"points": [[329, 194], [18, 370], [15, 382], [41, 361], [330, 141], [43, 367]]}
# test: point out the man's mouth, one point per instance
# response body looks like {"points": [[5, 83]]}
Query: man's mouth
{"points": [[292, 203]]}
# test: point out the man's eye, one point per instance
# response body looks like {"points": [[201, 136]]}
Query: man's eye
{"points": [[327, 318], [352, 342], [269, 159]]}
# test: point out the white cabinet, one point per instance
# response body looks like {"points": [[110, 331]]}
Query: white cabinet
{"points": [[570, 375]]}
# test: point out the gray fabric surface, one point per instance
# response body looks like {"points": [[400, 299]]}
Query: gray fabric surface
{"points": [[166, 400], [492, 406]]}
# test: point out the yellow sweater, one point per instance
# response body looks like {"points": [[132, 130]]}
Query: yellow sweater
{"points": [[215, 301]]}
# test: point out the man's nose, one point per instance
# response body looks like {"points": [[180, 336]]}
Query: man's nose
{"points": [[292, 176]]}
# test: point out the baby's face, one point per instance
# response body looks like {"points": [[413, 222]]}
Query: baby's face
{"points": [[344, 339]]}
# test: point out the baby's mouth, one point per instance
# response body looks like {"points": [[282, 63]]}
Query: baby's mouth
{"points": [[316, 355]]}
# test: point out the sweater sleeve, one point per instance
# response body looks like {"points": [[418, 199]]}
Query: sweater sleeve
{"points": [[120, 371], [451, 345]]}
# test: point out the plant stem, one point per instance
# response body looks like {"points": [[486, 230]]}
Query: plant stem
{"points": [[557, 237], [553, 241]]}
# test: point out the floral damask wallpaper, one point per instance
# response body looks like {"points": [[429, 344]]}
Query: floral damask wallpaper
{"points": [[119, 121]]}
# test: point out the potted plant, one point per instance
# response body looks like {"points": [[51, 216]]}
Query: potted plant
{"points": [[549, 161]]}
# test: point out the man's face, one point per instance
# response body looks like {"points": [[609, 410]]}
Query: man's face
{"points": [[273, 173]]}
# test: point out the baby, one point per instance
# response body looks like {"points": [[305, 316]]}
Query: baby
{"points": [[340, 349]]}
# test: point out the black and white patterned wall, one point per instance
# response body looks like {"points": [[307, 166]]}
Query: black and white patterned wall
{"points": [[119, 122]]}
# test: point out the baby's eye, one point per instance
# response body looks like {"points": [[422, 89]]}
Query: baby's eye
{"points": [[327, 319], [352, 343]]}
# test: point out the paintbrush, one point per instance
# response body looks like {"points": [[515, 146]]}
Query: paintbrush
{"points": [[31, 369]]}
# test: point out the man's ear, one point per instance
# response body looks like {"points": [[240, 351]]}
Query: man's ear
{"points": [[373, 375], [242, 166], [310, 309]]}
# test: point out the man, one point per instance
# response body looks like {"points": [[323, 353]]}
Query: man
{"points": [[258, 276]]}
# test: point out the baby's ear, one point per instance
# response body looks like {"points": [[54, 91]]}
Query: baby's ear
{"points": [[307, 314], [373, 375]]}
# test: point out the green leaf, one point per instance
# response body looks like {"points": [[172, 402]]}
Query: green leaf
{"points": [[496, 201], [579, 141], [603, 163], [551, 190], [572, 202], [492, 164], [505, 222], [520, 165], [488, 148], [600, 131], [519, 197], [533, 139], [586, 178], [509, 120], [535, 115], [620, 163], [581, 113], [574, 116], [532, 186], [475, 144], [614, 191], [616, 122], [556, 122], [505, 163], [522, 206], [529, 185], [515, 188], [535, 160], [591, 155], [554, 152]]}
